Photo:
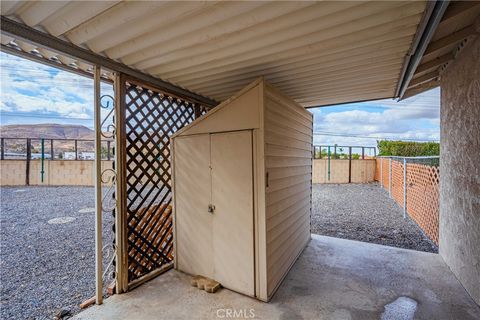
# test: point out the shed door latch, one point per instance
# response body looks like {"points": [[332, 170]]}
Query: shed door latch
{"points": [[211, 208]]}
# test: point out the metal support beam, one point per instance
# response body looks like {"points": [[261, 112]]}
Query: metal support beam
{"points": [[425, 78], [451, 39], [404, 188], [51, 63], [98, 189], [26, 33], [435, 63], [431, 26]]}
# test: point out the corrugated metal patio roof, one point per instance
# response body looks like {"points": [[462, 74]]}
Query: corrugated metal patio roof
{"points": [[318, 53], [459, 25]]}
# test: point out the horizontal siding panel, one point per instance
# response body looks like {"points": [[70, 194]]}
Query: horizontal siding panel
{"points": [[288, 162], [278, 184], [274, 106], [274, 150], [279, 173], [284, 140], [276, 162], [277, 270], [295, 208], [276, 248], [280, 118], [292, 220], [277, 96], [285, 203], [284, 130], [279, 195]]}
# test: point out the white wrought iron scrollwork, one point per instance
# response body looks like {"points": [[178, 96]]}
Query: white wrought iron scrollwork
{"points": [[108, 178]]}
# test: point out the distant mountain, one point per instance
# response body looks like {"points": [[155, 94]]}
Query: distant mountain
{"points": [[46, 131]]}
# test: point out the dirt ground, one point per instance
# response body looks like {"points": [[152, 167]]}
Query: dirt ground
{"points": [[364, 212]]}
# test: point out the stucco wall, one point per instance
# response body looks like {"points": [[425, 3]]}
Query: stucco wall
{"points": [[460, 168]]}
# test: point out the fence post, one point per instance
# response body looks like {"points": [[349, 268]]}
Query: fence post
{"points": [[328, 163], [363, 153], [320, 154], [349, 164], [108, 150], [27, 167], [381, 172], [404, 188], [52, 156], [3, 148], [76, 150], [42, 171], [390, 178]]}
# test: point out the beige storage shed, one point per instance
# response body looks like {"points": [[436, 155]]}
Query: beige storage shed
{"points": [[242, 178]]}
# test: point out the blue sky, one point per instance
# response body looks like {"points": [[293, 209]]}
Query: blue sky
{"points": [[34, 93]]}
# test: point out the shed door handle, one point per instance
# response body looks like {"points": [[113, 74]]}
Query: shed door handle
{"points": [[211, 208]]}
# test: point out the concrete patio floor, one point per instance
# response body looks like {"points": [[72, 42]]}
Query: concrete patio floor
{"points": [[332, 279]]}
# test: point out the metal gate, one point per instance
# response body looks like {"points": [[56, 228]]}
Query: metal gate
{"points": [[149, 118]]}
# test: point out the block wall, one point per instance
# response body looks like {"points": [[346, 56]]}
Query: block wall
{"points": [[56, 172], [363, 171]]}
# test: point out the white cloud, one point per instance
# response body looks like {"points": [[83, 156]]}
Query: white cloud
{"points": [[413, 118], [35, 88]]}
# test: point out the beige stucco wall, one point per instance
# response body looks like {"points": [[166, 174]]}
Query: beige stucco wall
{"points": [[460, 168], [57, 172], [363, 171]]}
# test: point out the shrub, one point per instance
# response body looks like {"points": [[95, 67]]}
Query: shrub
{"points": [[407, 149]]}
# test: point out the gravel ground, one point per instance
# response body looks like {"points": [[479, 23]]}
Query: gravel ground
{"points": [[364, 212], [47, 267]]}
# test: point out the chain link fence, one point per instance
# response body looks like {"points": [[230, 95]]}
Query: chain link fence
{"points": [[413, 182]]}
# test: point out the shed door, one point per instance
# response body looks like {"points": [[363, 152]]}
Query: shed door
{"points": [[193, 222], [232, 196]]}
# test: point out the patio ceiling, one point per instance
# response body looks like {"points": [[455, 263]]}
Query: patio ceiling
{"points": [[318, 53]]}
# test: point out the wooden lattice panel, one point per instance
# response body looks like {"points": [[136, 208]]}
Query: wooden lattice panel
{"points": [[150, 119], [423, 197], [397, 182]]}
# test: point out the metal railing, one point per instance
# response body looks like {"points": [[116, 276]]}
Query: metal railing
{"points": [[338, 151], [52, 149]]}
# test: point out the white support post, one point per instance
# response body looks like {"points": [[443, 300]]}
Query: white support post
{"points": [[98, 189], [390, 178], [404, 188]]}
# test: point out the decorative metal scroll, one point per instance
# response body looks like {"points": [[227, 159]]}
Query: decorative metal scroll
{"points": [[108, 178], [150, 119]]}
